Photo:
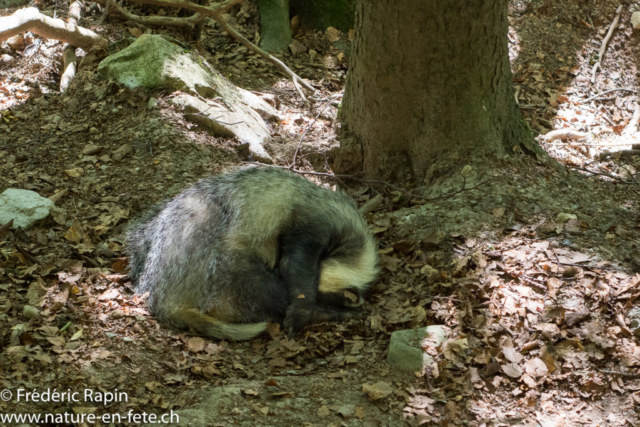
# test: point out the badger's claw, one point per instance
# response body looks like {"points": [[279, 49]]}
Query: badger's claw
{"points": [[297, 317]]}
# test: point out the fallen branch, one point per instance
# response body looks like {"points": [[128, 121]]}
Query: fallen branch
{"points": [[606, 92], [30, 19], [605, 42], [215, 12], [608, 175], [162, 21], [571, 134], [279, 64], [69, 59]]}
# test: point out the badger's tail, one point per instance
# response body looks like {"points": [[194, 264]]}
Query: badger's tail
{"points": [[206, 325]]}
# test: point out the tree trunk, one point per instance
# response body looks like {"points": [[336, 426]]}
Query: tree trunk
{"points": [[320, 14], [430, 84], [275, 29]]}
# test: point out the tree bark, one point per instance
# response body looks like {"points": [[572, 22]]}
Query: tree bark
{"points": [[430, 84], [275, 30]]}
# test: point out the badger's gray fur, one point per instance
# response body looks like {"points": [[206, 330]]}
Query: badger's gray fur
{"points": [[235, 251]]}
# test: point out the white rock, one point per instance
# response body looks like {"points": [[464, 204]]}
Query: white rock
{"points": [[24, 207], [635, 20]]}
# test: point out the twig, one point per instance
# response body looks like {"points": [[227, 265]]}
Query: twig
{"points": [[295, 155], [590, 267], [620, 373], [27, 254], [600, 173], [331, 175], [605, 42], [297, 81], [586, 144], [564, 134], [606, 92]]}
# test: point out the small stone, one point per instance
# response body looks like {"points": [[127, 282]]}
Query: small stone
{"points": [[565, 217], [105, 158], [406, 352], [24, 207], [116, 314], [30, 312], [635, 20], [153, 103], [91, 149], [93, 130]]}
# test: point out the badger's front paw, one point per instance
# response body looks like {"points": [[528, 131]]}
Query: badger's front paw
{"points": [[297, 317]]}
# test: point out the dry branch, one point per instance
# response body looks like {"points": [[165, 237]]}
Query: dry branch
{"points": [[30, 19], [571, 134], [605, 42], [163, 21]]}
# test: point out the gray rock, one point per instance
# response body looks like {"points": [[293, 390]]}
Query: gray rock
{"points": [[405, 348], [154, 62], [29, 312], [23, 206]]}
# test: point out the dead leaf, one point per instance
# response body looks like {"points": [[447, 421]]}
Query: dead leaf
{"points": [[513, 370], [195, 344], [332, 34], [135, 32], [377, 391], [536, 368]]}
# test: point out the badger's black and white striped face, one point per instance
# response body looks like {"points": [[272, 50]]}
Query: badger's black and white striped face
{"points": [[350, 271]]}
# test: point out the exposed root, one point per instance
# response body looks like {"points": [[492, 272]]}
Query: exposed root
{"points": [[159, 21], [69, 59], [30, 19]]}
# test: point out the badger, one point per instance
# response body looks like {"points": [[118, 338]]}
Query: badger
{"points": [[236, 251]]}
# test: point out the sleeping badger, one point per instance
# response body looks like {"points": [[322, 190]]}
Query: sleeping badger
{"points": [[237, 250]]}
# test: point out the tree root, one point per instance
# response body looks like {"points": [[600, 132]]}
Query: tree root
{"points": [[69, 58], [570, 134], [160, 21], [30, 19]]}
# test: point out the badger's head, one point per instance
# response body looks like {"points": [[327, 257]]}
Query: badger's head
{"points": [[349, 267]]}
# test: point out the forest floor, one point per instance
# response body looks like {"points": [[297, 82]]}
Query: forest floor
{"points": [[536, 270]]}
